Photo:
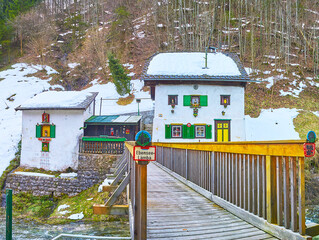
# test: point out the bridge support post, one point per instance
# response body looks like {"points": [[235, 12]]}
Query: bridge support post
{"points": [[271, 203], [140, 200]]}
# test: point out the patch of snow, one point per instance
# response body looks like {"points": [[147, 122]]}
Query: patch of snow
{"points": [[128, 65], [76, 216], [271, 57], [160, 25], [266, 72], [106, 182], [89, 199], [170, 64], [131, 74], [34, 174], [63, 206], [272, 125], [60, 41], [68, 175], [63, 34], [141, 35], [73, 65], [273, 79]]}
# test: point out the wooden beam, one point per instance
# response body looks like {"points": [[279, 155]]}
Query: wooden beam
{"points": [[271, 148]]}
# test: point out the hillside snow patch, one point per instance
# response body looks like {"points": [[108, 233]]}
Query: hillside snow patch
{"points": [[271, 125]]}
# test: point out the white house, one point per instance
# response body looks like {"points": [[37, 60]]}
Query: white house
{"points": [[194, 103], [51, 123]]}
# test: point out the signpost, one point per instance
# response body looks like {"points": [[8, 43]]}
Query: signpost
{"points": [[309, 147], [143, 153]]}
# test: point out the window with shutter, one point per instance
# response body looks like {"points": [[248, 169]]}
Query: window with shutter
{"points": [[38, 131]]}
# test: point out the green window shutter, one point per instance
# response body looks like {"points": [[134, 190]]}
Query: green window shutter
{"points": [[209, 131], [52, 131], [168, 132], [38, 131], [203, 100], [185, 132], [192, 132], [187, 100]]}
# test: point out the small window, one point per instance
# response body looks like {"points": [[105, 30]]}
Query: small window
{"points": [[225, 100], [172, 100], [200, 131], [195, 101], [176, 131]]}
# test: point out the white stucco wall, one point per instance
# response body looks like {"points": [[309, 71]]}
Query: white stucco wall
{"points": [[63, 148], [206, 115]]}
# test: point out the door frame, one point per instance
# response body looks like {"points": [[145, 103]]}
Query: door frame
{"points": [[222, 121]]}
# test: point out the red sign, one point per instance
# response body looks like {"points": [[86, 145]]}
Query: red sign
{"points": [[189, 125], [309, 149], [44, 139], [147, 153]]}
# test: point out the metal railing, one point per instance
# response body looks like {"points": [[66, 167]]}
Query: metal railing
{"points": [[264, 178], [101, 147]]}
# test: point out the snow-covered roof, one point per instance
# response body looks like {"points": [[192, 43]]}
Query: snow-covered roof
{"points": [[68, 100], [191, 66]]}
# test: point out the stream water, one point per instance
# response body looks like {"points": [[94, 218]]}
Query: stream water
{"points": [[30, 230]]}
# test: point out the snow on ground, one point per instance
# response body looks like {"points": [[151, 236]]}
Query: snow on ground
{"points": [[272, 125], [76, 216], [34, 174], [294, 92], [15, 88], [106, 182], [73, 65], [108, 91], [63, 206], [68, 175]]}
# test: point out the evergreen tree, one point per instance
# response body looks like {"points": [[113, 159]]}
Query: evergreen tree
{"points": [[121, 80]]}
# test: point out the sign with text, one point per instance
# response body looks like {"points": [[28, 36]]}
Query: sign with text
{"points": [[144, 153], [309, 149]]}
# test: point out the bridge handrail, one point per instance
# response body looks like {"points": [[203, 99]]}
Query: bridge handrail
{"points": [[266, 179]]}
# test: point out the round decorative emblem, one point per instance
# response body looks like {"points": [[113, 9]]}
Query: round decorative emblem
{"points": [[143, 138], [195, 86], [189, 125]]}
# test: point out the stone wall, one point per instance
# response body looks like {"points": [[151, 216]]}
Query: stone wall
{"points": [[92, 169]]}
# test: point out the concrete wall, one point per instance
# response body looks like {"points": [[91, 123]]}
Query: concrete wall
{"points": [[206, 115], [93, 169], [63, 148]]}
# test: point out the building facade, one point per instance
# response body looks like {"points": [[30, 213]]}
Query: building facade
{"points": [[194, 103], [51, 129]]}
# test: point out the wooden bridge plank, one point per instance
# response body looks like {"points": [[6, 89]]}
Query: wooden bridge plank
{"points": [[177, 212]]}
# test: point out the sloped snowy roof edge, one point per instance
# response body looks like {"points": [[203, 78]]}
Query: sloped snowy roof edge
{"points": [[83, 105], [243, 77]]}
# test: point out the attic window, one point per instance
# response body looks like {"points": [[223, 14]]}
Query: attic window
{"points": [[225, 100], [172, 100]]}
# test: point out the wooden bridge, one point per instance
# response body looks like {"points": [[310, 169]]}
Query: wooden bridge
{"points": [[235, 190]]}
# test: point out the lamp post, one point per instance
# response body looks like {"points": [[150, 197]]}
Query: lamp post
{"points": [[138, 100]]}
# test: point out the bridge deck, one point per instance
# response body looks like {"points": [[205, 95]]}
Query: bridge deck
{"points": [[175, 211]]}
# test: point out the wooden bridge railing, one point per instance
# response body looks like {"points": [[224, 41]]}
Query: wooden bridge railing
{"points": [[266, 179], [99, 147]]}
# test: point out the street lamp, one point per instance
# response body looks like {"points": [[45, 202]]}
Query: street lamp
{"points": [[138, 100]]}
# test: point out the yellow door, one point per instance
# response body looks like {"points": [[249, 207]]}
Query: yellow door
{"points": [[222, 131]]}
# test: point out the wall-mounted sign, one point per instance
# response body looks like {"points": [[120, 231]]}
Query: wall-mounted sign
{"points": [[309, 149], [189, 125], [144, 153]]}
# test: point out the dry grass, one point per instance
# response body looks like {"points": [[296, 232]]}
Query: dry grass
{"points": [[126, 101]]}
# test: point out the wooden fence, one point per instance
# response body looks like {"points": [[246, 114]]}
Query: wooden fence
{"points": [[100, 147], [264, 178]]}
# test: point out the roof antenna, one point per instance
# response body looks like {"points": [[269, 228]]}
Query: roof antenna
{"points": [[208, 47]]}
